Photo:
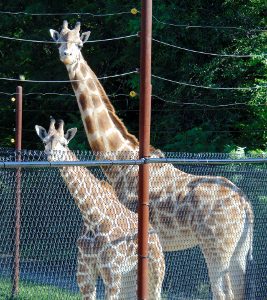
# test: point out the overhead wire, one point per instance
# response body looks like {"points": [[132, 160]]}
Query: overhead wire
{"points": [[209, 105], [53, 42], [133, 11], [72, 96], [187, 26], [209, 53], [135, 72], [67, 81], [65, 13], [158, 131], [208, 87], [132, 110], [38, 93]]}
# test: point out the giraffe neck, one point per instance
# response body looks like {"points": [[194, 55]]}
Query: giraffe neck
{"points": [[82, 185], [105, 131]]}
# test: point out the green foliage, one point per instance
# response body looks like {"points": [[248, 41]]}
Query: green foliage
{"points": [[195, 140], [202, 125], [30, 291]]}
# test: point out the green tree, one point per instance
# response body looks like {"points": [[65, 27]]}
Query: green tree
{"points": [[183, 118]]}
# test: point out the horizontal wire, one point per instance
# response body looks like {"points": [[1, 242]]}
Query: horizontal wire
{"points": [[209, 53], [67, 81], [120, 111], [233, 106], [209, 105], [135, 72], [41, 94], [127, 95], [42, 111], [129, 12], [208, 87], [109, 95], [209, 26], [64, 14], [53, 42], [55, 94], [158, 131]]}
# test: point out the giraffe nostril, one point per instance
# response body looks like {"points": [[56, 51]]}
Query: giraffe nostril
{"points": [[67, 53]]}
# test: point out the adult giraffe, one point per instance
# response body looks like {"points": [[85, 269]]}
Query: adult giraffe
{"points": [[185, 210]]}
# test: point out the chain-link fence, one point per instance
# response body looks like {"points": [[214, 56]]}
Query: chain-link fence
{"points": [[62, 231]]}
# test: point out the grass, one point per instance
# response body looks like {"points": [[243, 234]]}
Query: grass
{"points": [[30, 291]]}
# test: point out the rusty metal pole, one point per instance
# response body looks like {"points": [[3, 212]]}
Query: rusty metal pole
{"points": [[144, 150], [16, 254]]}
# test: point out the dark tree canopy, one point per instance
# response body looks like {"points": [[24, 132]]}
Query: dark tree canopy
{"points": [[184, 118]]}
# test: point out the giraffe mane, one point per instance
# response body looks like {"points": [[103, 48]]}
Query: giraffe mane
{"points": [[122, 128], [120, 125]]}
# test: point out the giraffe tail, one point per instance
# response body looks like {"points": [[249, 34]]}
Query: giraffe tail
{"points": [[250, 287]]}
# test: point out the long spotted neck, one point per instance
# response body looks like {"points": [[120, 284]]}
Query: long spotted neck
{"points": [[83, 186], [104, 130]]}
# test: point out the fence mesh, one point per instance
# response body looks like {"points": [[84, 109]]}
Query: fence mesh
{"points": [[52, 225]]}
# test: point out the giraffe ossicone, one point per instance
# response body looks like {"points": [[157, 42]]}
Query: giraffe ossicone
{"points": [[108, 245], [185, 210]]}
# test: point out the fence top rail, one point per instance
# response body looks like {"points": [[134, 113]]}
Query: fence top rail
{"points": [[208, 161], [98, 163], [58, 164]]}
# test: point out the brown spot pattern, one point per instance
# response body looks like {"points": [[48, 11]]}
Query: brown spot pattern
{"points": [[98, 145], [96, 100], [105, 226], [182, 215], [90, 126], [104, 122], [84, 101], [84, 70], [75, 84], [114, 142], [91, 85], [167, 205]]}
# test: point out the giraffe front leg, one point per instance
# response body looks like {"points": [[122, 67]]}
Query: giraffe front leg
{"points": [[156, 270], [112, 282], [228, 287], [86, 275]]}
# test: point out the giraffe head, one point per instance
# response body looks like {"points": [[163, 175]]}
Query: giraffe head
{"points": [[69, 42], [55, 141]]}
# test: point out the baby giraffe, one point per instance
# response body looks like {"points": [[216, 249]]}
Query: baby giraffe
{"points": [[108, 246]]}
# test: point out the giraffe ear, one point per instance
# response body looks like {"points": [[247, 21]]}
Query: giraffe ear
{"points": [[41, 132], [54, 34], [85, 36], [69, 135]]}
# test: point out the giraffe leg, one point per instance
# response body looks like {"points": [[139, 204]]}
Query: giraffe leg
{"points": [[156, 271], [112, 282], [228, 287], [86, 275], [217, 277], [238, 263], [218, 268]]}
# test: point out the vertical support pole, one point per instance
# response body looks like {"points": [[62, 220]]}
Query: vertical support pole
{"points": [[16, 255], [144, 150]]}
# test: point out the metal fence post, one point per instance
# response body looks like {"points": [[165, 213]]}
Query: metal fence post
{"points": [[16, 254], [144, 150]]}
